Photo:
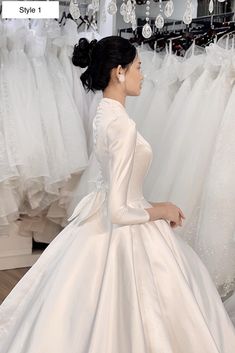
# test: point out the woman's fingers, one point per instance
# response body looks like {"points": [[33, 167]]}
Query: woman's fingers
{"points": [[181, 214]]}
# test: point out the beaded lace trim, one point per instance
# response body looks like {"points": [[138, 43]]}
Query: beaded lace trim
{"points": [[99, 179]]}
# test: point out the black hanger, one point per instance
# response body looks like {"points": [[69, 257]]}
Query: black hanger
{"points": [[64, 16]]}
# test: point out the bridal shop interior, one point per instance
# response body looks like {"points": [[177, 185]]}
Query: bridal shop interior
{"points": [[185, 111]]}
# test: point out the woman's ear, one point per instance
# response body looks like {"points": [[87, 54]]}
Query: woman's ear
{"points": [[120, 74]]}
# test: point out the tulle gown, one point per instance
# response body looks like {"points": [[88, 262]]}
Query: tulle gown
{"points": [[112, 281], [24, 133], [58, 169], [187, 73], [166, 86], [9, 176], [70, 119], [199, 156], [176, 177], [216, 226], [67, 42]]}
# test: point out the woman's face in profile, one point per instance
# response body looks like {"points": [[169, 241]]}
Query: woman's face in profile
{"points": [[134, 78]]}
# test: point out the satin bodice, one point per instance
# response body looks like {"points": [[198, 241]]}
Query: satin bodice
{"points": [[109, 110], [142, 162], [123, 158]]}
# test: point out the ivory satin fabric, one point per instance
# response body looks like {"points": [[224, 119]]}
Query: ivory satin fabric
{"points": [[112, 281]]}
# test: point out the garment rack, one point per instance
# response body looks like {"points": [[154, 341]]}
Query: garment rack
{"points": [[202, 20]]}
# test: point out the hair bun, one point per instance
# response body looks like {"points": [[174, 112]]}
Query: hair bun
{"points": [[82, 52], [92, 44]]}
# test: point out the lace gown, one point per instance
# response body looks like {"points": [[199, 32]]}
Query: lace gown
{"points": [[187, 72], [181, 166], [23, 130], [70, 119], [166, 86], [9, 176], [112, 281], [215, 240], [58, 169], [198, 158]]}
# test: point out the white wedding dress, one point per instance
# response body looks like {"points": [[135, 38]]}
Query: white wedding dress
{"points": [[215, 239], [9, 176], [70, 119], [24, 133], [112, 281], [187, 72]]}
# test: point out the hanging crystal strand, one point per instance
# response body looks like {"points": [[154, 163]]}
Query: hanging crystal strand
{"points": [[112, 7], [124, 12], [169, 8], [159, 22], [95, 7], [127, 12], [188, 15], [133, 16], [211, 6], [123, 8], [74, 9], [147, 30], [103, 16]]}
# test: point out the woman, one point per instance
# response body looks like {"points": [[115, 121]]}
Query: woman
{"points": [[117, 279]]}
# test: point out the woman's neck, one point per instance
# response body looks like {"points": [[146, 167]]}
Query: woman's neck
{"points": [[115, 94]]}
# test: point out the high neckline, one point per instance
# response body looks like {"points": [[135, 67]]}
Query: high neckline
{"points": [[113, 101]]}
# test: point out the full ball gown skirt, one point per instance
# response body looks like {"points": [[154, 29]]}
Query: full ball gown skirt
{"points": [[112, 281]]}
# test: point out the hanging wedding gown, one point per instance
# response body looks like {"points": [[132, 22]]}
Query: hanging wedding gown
{"points": [[53, 136], [112, 281], [70, 120], [67, 41], [43, 147], [86, 102], [9, 176], [219, 199], [25, 135], [199, 157], [156, 112], [187, 72], [175, 181], [166, 86], [215, 240]]}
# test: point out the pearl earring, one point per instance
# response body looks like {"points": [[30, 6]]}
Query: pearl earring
{"points": [[121, 78]]}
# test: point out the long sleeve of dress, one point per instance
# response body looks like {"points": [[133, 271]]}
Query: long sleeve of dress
{"points": [[121, 142]]}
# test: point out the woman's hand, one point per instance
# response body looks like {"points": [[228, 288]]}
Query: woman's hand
{"points": [[167, 211]]}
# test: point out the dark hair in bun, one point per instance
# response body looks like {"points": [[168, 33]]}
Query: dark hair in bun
{"points": [[100, 58], [82, 52]]}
